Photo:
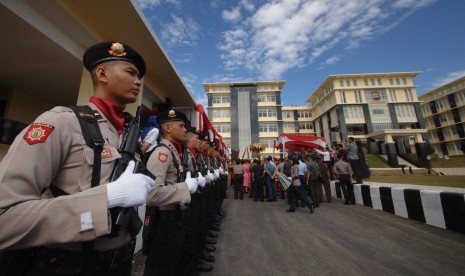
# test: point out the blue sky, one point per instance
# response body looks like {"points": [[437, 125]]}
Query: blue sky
{"points": [[304, 41]]}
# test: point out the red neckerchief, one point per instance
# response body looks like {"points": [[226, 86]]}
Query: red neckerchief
{"points": [[193, 151], [113, 111], [178, 147]]}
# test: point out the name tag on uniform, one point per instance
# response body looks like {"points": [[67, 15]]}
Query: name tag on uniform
{"points": [[86, 221]]}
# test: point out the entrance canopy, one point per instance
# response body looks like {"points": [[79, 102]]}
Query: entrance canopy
{"points": [[299, 142]]}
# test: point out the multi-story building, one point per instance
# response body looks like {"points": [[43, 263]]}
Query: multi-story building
{"points": [[444, 112], [245, 113], [381, 110]]}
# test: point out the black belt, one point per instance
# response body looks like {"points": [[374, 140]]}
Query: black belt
{"points": [[173, 214]]}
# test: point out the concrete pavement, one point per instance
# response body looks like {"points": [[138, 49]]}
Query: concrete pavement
{"points": [[260, 238]]}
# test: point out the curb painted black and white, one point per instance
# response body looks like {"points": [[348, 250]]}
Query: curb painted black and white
{"points": [[440, 209]]}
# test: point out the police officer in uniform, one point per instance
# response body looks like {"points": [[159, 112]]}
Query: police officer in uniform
{"points": [[171, 194], [66, 233]]}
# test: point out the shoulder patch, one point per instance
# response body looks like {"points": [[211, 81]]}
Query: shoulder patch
{"points": [[37, 133], [163, 157]]}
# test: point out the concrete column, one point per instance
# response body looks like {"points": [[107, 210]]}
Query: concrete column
{"points": [[407, 147], [422, 150], [373, 146], [400, 146], [381, 148], [391, 154]]}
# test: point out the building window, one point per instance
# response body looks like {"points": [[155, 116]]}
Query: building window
{"points": [[443, 118], [266, 98], [289, 127], [266, 112], [288, 115], [341, 83], [354, 82], [304, 114], [268, 127], [379, 82], [358, 96], [222, 128], [373, 83], [397, 81], [392, 94], [220, 99], [404, 81], [307, 126], [221, 113], [347, 83], [366, 82], [343, 96], [408, 94], [267, 143], [391, 81]]}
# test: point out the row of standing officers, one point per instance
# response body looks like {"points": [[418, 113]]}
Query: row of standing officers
{"points": [[61, 205]]}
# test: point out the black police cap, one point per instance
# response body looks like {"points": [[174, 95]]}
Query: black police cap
{"points": [[193, 130], [170, 116], [109, 51]]}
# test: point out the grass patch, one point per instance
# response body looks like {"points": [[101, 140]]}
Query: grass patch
{"points": [[453, 162], [455, 181], [375, 161]]}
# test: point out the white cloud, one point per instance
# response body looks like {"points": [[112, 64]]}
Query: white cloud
{"points": [[232, 15], [448, 78], [332, 60], [285, 34], [148, 4], [180, 31], [248, 5]]}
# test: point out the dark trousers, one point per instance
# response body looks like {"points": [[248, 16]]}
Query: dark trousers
{"points": [[270, 190], [294, 194], [258, 188], [165, 255], [312, 191], [357, 168], [347, 190], [323, 183], [49, 261], [238, 181]]}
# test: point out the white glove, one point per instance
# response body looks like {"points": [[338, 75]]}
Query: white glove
{"points": [[217, 173], [130, 189], [211, 176], [221, 170], [226, 173], [201, 180], [191, 183]]}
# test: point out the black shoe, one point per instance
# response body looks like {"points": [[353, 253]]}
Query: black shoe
{"points": [[212, 234], [210, 240], [346, 203], [207, 257], [216, 228], [203, 267], [312, 209], [290, 210], [210, 248]]}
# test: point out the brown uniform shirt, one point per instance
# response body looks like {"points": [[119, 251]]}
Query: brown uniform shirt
{"points": [[29, 214], [166, 193]]}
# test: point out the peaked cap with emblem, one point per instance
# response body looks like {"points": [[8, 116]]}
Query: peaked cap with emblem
{"points": [[170, 116], [109, 51]]}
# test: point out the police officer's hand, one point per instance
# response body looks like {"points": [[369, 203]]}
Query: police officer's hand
{"points": [[201, 180], [217, 173], [130, 189], [191, 183], [211, 176], [221, 170]]}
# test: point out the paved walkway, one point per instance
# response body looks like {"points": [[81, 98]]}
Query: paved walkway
{"points": [[260, 238]]}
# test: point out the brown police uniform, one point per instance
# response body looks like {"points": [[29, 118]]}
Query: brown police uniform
{"points": [[52, 151], [166, 193]]}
